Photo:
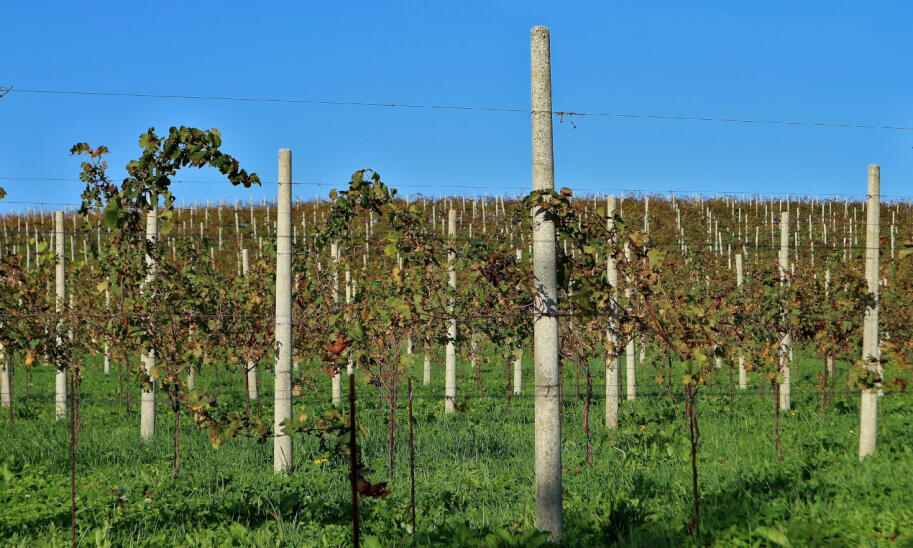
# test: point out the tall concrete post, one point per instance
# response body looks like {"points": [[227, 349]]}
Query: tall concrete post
{"points": [[518, 350], [739, 279], [107, 351], [60, 380], [350, 295], [868, 411], [336, 381], [450, 357], [282, 443], [630, 365], [147, 397], [6, 393], [549, 511], [786, 339], [253, 392], [612, 377]]}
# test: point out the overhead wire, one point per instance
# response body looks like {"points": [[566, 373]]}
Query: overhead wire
{"points": [[470, 108]]}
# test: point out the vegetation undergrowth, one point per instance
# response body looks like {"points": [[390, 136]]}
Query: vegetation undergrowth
{"points": [[474, 472]]}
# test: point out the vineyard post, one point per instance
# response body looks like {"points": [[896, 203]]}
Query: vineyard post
{"points": [[549, 512], [868, 410], [630, 368], [450, 365], [252, 391], [6, 395], [253, 222], [611, 362], [282, 393], [364, 257], [785, 337], [336, 382], [647, 215], [147, 398], [739, 279], [107, 351], [350, 294], [829, 360], [518, 350], [60, 392], [426, 373], [892, 231], [237, 227]]}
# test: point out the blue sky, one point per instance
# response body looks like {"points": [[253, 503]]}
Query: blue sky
{"points": [[817, 61]]}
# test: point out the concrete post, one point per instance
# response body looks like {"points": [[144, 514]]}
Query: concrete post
{"points": [[785, 337], [147, 398], [336, 382], [630, 366], [60, 384], [253, 392], [518, 350], [739, 279], [426, 372], [282, 443], [6, 393], [107, 352], [868, 411], [611, 362], [350, 295], [549, 511], [450, 362]]}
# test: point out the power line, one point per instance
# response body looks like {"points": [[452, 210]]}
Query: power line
{"points": [[559, 113]]}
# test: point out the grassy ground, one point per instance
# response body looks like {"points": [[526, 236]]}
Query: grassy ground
{"points": [[474, 473]]}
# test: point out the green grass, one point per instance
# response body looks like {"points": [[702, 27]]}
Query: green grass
{"points": [[474, 472]]}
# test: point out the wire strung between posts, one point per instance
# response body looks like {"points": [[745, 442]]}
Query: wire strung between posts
{"points": [[560, 113], [634, 192], [435, 396], [494, 238], [523, 312]]}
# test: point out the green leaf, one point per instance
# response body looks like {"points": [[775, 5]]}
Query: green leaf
{"points": [[656, 256], [146, 139], [111, 217], [773, 535], [356, 331], [371, 542]]}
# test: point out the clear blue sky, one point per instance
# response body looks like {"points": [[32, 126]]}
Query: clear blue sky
{"points": [[818, 61]]}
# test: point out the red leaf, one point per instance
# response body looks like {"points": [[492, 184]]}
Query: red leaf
{"points": [[338, 345]]}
